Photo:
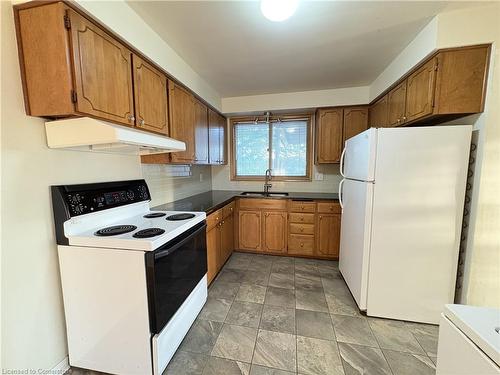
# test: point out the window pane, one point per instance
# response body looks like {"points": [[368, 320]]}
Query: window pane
{"points": [[252, 155], [289, 148]]}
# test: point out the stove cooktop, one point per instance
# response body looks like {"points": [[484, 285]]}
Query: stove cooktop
{"points": [[144, 231]]}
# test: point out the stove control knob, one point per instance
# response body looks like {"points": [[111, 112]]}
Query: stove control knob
{"points": [[130, 195]]}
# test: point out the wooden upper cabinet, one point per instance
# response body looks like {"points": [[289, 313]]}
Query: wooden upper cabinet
{"points": [[396, 105], [181, 106], [150, 97], [379, 113], [461, 80], [329, 135], [420, 91], [222, 140], [328, 237], [355, 121], [102, 72], [274, 231], [217, 138], [249, 233], [200, 132]]}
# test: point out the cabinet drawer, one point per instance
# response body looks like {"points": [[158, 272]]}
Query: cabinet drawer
{"points": [[329, 208], [227, 210], [298, 206], [264, 204], [300, 244], [301, 228], [301, 218], [213, 219]]}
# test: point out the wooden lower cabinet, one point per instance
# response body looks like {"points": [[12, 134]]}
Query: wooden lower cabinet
{"points": [[328, 235], [274, 232], [307, 228], [249, 230], [213, 256], [227, 238], [220, 239]]}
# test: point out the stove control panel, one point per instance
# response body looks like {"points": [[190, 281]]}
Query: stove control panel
{"points": [[85, 199]]}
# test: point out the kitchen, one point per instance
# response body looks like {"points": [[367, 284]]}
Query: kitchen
{"points": [[33, 318]]}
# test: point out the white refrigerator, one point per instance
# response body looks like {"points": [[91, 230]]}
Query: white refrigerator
{"points": [[402, 201]]}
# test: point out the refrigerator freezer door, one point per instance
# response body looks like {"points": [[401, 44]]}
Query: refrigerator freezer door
{"points": [[358, 161], [418, 203], [355, 237]]}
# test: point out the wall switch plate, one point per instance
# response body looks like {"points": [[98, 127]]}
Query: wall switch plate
{"points": [[318, 176], [201, 177]]}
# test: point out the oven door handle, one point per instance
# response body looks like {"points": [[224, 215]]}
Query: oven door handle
{"points": [[165, 252]]}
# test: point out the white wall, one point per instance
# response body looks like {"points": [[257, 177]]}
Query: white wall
{"points": [[296, 100], [482, 273]]}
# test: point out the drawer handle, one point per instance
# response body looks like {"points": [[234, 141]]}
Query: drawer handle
{"points": [[302, 244], [301, 229]]}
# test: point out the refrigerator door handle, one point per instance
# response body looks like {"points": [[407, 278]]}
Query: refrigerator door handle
{"points": [[342, 162], [340, 193]]}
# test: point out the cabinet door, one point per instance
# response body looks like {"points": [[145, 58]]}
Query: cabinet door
{"points": [[213, 250], [274, 232], [201, 133], [181, 105], [328, 238], [227, 237], [222, 140], [249, 235], [396, 105], [379, 113], [329, 135], [102, 73], [214, 137], [355, 121], [420, 91], [150, 97]]}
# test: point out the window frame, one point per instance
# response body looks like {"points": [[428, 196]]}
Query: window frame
{"points": [[308, 117]]}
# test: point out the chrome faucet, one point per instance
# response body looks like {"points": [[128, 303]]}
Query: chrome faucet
{"points": [[267, 185]]}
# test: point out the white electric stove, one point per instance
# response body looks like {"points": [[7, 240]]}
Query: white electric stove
{"points": [[133, 280]]}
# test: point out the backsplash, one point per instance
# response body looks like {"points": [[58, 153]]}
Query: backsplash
{"points": [[171, 182], [221, 180]]}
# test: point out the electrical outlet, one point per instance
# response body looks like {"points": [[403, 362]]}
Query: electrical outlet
{"points": [[201, 177]]}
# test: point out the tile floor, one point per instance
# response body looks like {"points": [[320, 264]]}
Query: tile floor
{"points": [[268, 315]]}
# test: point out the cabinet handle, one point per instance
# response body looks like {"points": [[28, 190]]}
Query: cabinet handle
{"points": [[301, 229], [398, 120], [302, 244], [141, 121], [404, 118], [321, 217], [131, 118]]}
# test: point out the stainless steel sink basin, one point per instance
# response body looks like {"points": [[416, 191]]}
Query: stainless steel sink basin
{"points": [[262, 194]]}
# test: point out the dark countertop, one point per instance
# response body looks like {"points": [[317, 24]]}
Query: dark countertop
{"points": [[212, 200]]}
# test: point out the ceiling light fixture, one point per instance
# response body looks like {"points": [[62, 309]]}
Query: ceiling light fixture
{"points": [[278, 10]]}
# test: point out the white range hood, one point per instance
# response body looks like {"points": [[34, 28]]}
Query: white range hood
{"points": [[88, 134]]}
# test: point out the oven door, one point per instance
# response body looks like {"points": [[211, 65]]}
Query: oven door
{"points": [[172, 272]]}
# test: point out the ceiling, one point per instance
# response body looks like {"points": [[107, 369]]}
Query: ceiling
{"points": [[326, 44]]}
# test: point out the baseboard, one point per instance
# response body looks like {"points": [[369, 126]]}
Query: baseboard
{"points": [[61, 367]]}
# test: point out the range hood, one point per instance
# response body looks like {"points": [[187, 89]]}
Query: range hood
{"points": [[88, 134]]}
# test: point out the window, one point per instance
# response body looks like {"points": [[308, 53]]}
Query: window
{"points": [[281, 144]]}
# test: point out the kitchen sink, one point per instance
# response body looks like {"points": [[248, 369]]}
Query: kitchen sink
{"points": [[263, 194]]}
